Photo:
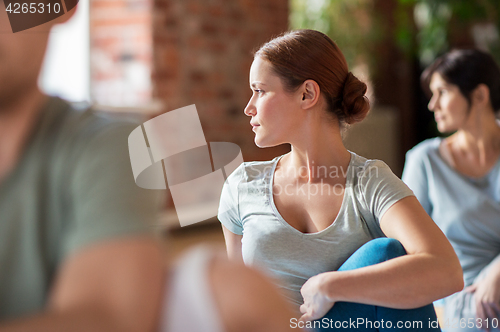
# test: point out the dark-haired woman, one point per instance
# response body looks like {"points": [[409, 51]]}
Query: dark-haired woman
{"points": [[457, 179], [320, 218]]}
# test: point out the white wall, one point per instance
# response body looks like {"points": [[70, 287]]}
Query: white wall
{"points": [[66, 70]]}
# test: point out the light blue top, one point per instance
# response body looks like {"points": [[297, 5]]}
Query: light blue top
{"points": [[466, 209], [468, 212], [247, 208]]}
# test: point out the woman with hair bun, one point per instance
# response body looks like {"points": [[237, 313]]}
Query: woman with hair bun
{"points": [[344, 238], [457, 179]]}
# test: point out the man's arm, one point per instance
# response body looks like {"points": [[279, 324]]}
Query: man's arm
{"points": [[110, 286], [247, 301]]}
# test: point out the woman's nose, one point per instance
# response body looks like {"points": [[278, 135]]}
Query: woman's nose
{"points": [[249, 109], [432, 104]]}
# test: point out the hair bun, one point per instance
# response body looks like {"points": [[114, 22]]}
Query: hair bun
{"points": [[355, 104]]}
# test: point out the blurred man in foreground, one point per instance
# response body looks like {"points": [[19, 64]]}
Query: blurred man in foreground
{"points": [[76, 253]]}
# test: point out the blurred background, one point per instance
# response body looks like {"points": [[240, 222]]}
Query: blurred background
{"points": [[153, 56]]}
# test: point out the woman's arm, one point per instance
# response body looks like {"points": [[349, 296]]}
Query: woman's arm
{"points": [[429, 271], [233, 244]]}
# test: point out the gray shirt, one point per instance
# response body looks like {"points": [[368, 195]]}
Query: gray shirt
{"points": [[72, 187], [247, 208]]}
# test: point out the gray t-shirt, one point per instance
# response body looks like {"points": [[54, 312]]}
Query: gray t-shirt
{"points": [[247, 208], [72, 187]]}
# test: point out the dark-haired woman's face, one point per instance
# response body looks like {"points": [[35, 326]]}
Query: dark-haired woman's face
{"points": [[449, 105], [271, 107]]}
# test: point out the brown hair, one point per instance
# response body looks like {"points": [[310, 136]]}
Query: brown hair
{"points": [[299, 55], [466, 68]]}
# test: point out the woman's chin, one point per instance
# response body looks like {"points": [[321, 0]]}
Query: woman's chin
{"points": [[444, 129], [261, 143]]}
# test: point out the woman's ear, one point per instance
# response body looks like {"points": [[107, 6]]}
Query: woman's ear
{"points": [[310, 93], [481, 96]]}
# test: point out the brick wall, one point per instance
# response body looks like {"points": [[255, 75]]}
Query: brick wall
{"points": [[121, 52], [202, 55]]}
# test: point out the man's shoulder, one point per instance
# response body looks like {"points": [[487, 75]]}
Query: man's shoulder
{"points": [[70, 130], [82, 122], [73, 143]]}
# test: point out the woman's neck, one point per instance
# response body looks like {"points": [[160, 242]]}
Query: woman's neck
{"points": [[479, 138], [317, 148]]}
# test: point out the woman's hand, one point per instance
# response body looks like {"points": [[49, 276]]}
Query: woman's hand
{"points": [[487, 297], [316, 302]]}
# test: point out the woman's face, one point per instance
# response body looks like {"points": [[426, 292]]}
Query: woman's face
{"points": [[271, 107], [450, 107]]}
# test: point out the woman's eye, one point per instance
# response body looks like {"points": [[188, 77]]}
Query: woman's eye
{"points": [[258, 91]]}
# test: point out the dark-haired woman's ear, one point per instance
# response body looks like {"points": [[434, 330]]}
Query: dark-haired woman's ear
{"points": [[310, 93], [481, 96]]}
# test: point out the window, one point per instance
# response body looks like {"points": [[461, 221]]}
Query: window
{"points": [[66, 70]]}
